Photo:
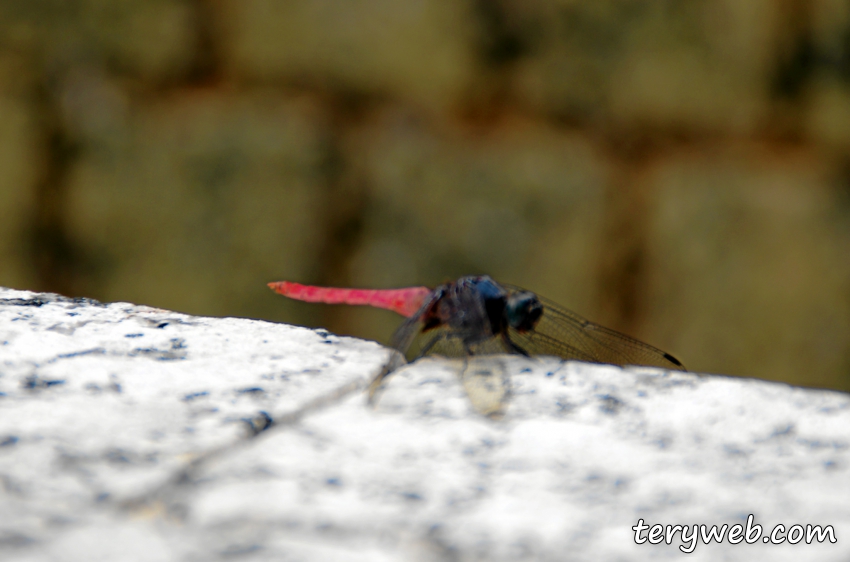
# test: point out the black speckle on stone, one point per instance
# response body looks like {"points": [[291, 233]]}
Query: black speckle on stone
{"points": [[176, 352], [85, 301], [259, 423], [610, 404], [322, 333], [783, 431], [64, 329], [526, 370], [734, 450], [333, 482], [664, 442], [251, 390], [8, 441], [239, 550], [191, 396], [94, 351], [817, 444], [34, 382], [12, 539], [25, 302], [117, 456], [162, 325], [133, 335], [563, 406]]}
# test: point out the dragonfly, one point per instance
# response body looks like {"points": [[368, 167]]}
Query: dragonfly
{"points": [[476, 315]]}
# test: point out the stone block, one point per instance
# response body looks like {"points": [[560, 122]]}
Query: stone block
{"points": [[828, 89], [420, 51], [154, 39], [19, 163], [701, 65], [140, 434], [201, 198], [749, 268]]}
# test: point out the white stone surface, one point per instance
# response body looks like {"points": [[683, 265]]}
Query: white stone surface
{"points": [[123, 437]]}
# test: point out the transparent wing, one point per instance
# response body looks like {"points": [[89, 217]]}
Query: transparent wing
{"points": [[448, 343], [565, 334]]}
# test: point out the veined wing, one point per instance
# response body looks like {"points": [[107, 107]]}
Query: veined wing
{"points": [[419, 335], [565, 334], [446, 342]]}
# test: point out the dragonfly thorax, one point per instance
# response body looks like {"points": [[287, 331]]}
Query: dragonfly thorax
{"points": [[501, 309]]}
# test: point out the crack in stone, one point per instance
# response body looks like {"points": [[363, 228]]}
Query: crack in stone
{"points": [[167, 496]]}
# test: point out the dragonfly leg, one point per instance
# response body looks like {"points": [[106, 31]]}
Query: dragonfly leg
{"points": [[512, 346], [428, 346], [395, 361], [467, 350]]}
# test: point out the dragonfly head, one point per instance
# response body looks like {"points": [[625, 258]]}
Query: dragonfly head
{"points": [[523, 311]]}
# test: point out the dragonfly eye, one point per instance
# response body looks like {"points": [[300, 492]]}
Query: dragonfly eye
{"points": [[523, 311]]}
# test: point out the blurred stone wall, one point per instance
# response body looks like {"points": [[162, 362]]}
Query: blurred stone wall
{"points": [[674, 169]]}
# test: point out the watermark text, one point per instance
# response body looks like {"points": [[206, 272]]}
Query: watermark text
{"points": [[690, 535]]}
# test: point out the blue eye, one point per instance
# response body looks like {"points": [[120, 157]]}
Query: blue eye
{"points": [[523, 311]]}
